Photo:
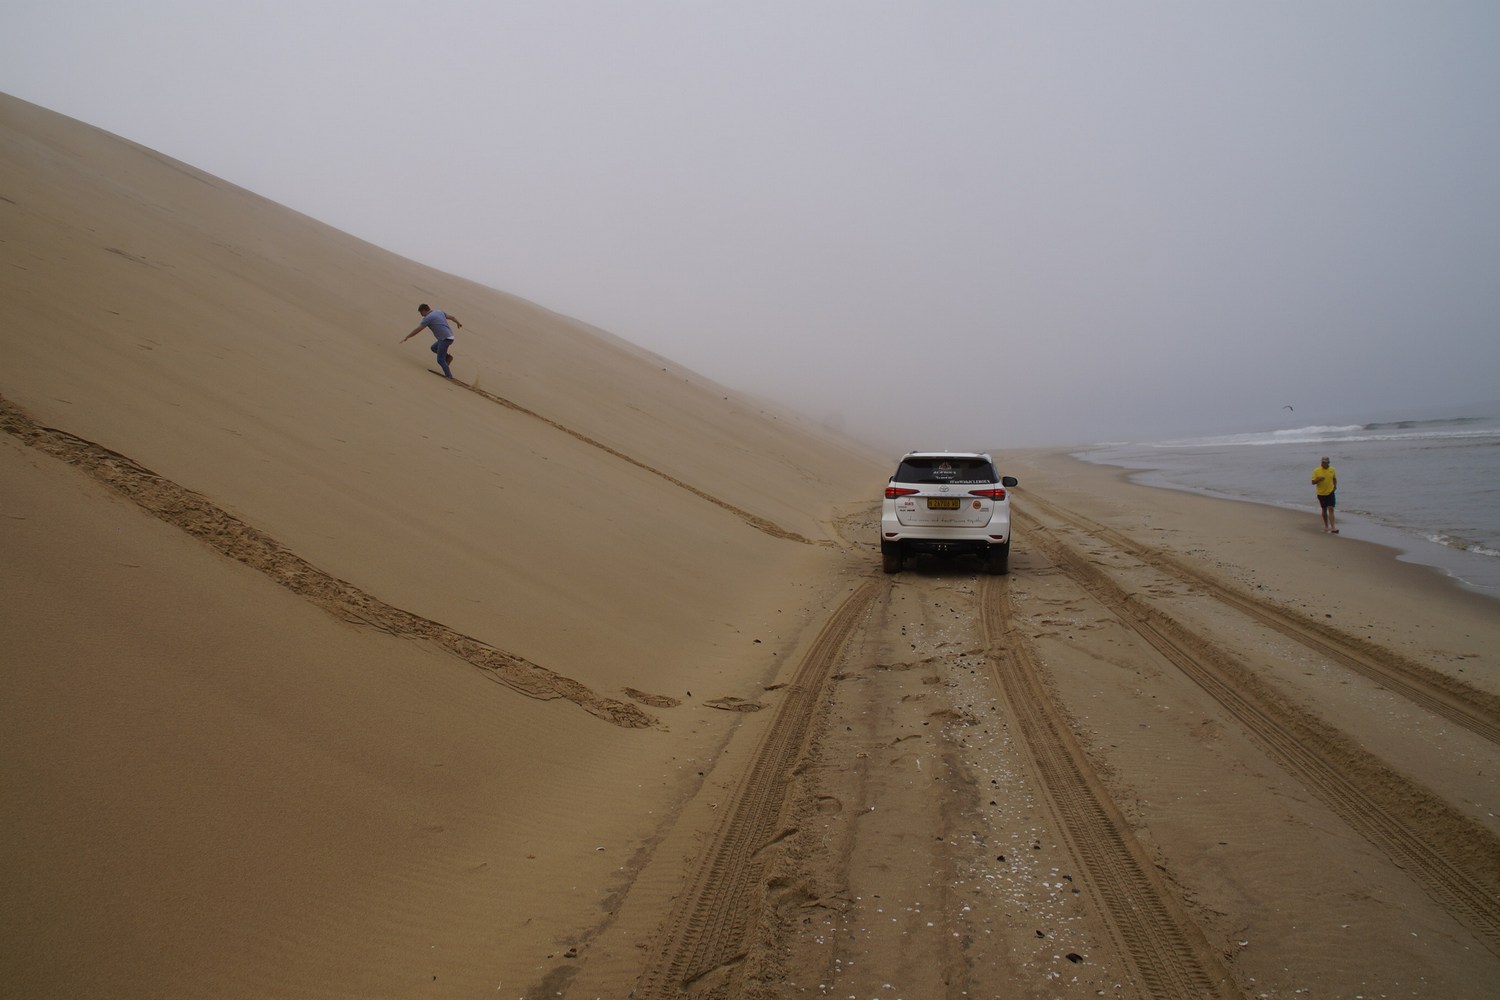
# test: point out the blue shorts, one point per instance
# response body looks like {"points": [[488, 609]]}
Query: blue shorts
{"points": [[1326, 501]]}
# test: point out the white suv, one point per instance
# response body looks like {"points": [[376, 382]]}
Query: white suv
{"points": [[947, 502]]}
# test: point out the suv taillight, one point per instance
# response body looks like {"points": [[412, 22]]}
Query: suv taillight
{"points": [[892, 492], [998, 493]]}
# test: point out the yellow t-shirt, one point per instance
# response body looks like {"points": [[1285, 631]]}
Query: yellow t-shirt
{"points": [[1326, 483]]}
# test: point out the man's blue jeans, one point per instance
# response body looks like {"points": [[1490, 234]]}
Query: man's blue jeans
{"points": [[440, 348]]}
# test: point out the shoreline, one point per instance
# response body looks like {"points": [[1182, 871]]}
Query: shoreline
{"points": [[1438, 560], [1280, 554]]}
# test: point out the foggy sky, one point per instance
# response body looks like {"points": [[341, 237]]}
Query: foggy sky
{"points": [[929, 224]]}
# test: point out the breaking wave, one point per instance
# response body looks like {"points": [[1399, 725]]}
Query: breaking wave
{"points": [[1385, 430]]}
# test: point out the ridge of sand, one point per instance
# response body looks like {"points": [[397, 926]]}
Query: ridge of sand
{"points": [[759, 523], [201, 518]]}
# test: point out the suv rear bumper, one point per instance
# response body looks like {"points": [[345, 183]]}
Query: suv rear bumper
{"points": [[994, 554], [945, 547], [937, 539]]}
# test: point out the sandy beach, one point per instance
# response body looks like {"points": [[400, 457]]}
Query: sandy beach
{"points": [[327, 678]]}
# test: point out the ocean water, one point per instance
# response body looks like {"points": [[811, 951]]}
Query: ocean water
{"points": [[1428, 487]]}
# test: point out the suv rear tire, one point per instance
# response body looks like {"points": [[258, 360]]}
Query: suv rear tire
{"points": [[890, 555], [997, 560]]}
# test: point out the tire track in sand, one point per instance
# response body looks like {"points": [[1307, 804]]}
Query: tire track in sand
{"points": [[200, 517], [1460, 703], [1171, 958], [1455, 859], [754, 520], [704, 939]]}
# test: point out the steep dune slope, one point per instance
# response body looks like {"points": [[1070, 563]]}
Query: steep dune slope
{"points": [[229, 782], [250, 354]]}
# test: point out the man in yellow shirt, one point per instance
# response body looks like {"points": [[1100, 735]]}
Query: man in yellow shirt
{"points": [[1326, 480]]}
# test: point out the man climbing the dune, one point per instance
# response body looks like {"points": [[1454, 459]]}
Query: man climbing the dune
{"points": [[442, 334]]}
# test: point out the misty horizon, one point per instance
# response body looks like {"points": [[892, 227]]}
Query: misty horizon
{"points": [[997, 225]]}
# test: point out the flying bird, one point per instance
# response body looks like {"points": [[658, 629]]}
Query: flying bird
{"points": [[1288, 407]]}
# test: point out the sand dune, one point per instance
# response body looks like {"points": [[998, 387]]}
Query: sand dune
{"points": [[262, 573], [326, 678]]}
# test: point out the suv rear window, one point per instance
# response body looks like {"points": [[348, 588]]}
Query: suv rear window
{"points": [[945, 470]]}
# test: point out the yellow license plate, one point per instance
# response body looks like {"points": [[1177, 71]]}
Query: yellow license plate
{"points": [[942, 503]]}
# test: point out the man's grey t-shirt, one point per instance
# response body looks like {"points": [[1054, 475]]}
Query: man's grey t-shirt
{"points": [[437, 321]]}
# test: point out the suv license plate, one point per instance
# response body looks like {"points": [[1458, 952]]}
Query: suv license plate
{"points": [[942, 503]]}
